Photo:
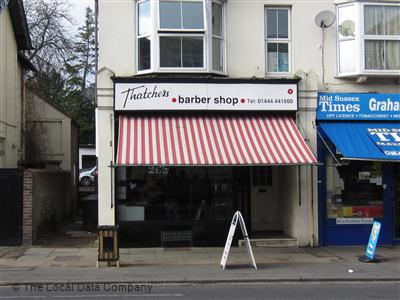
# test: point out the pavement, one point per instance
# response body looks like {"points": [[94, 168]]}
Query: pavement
{"points": [[196, 265]]}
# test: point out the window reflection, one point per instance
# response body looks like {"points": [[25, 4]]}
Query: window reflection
{"points": [[174, 193], [354, 190]]}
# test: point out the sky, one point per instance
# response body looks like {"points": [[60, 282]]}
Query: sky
{"points": [[78, 9]]}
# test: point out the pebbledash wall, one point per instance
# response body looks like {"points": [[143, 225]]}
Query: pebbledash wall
{"points": [[312, 59]]}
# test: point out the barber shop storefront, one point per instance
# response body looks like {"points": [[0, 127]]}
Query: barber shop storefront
{"points": [[359, 147], [191, 152]]}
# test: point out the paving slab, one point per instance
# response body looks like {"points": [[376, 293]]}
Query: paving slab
{"points": [[39, 251], [198, 265]]}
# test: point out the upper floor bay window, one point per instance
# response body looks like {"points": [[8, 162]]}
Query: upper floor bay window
{"points": [[368, 39], [277, 40], [180, 36]]}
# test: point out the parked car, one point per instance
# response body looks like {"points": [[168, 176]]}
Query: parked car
{"points": [[94, 175], [86, 177]]}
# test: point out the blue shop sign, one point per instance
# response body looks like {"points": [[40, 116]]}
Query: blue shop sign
{"points": [[359, 107]]}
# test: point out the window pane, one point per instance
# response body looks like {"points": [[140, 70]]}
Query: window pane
{"points": [[272, 23], [283, 57], [192, 15], [170, 52], [217, 19], [144, 54], [277, 57], [392, 55], [351, 190], [272, 55], [346, 21], [192, 52], [217, 54], [374, 58], [170, 15], [269, 180], [392, 23], [347, 56], [283, 24], [373, 20], [144, 18]]}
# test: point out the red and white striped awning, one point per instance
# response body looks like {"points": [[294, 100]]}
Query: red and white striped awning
{"points": [[211, 140]]}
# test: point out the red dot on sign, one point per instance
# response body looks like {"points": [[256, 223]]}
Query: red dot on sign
{"points": [[290, 91], [242, 100], [174, 100]]}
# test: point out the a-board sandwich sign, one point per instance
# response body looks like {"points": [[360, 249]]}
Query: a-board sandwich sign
{"points": [[373, 240], [237, 218]]}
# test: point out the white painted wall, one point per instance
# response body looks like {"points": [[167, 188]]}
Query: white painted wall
{"points": [[245, 59], [85, 152], [53, 131], [11, 148]]}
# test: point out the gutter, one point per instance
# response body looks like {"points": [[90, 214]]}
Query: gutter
{"points": [[20, 25]]}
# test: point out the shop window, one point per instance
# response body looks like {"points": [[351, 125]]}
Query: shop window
{"points": [[176, 36], [261, 176], [354, 191], [173, 194], [277, 40], [368, 39]]}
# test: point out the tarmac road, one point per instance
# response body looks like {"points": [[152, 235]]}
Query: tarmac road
{"points": [[290, 290]]}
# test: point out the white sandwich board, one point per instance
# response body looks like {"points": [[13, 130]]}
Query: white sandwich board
{"points": [[237, 217]]}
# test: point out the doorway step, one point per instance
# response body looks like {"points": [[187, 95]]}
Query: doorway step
{"points": [[270, 240]]}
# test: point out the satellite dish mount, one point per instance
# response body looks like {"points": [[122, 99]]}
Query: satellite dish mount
{"points": [[325, 19]]}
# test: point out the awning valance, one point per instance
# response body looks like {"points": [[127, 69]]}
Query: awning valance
{"points": [[365, 140], [210, 140]]}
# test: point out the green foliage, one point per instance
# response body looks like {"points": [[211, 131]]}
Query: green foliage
{"points": [[80, 66], [67, 82]]}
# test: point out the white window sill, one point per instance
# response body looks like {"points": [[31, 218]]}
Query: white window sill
{"points": [[280, 76], [181, 71], [370, 74]]}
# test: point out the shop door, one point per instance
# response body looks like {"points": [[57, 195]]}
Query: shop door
{"points": [[396, 194], [263, 207]]}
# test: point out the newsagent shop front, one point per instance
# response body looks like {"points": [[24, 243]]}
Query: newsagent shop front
{"points": [[359, 180], [189, 153]]}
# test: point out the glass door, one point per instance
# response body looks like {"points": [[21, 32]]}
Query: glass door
{"points": [[396, 201]]}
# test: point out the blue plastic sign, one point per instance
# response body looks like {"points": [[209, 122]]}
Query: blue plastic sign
{"points": [[373, 240], [359, 107]]}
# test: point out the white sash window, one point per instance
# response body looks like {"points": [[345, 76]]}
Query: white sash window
{"points": [[180, 36], [368, 39]]}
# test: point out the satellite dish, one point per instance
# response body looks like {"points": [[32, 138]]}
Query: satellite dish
{"points": [[325, 19]]}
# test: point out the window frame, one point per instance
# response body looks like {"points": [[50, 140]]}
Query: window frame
{"points": [[221, 38], [174, 69], [137, 36], [344, 39], [384, 38], [205, 33], [287, 40], [360, 40], [159, 29]]}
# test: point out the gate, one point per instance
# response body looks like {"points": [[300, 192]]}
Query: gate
{"points": [[11, 186]]}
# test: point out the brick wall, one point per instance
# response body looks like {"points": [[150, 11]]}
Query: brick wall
{"points": [[27, 214], [47, 201]]}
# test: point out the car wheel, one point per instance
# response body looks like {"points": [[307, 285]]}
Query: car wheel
{"points": [[85, 181]]}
